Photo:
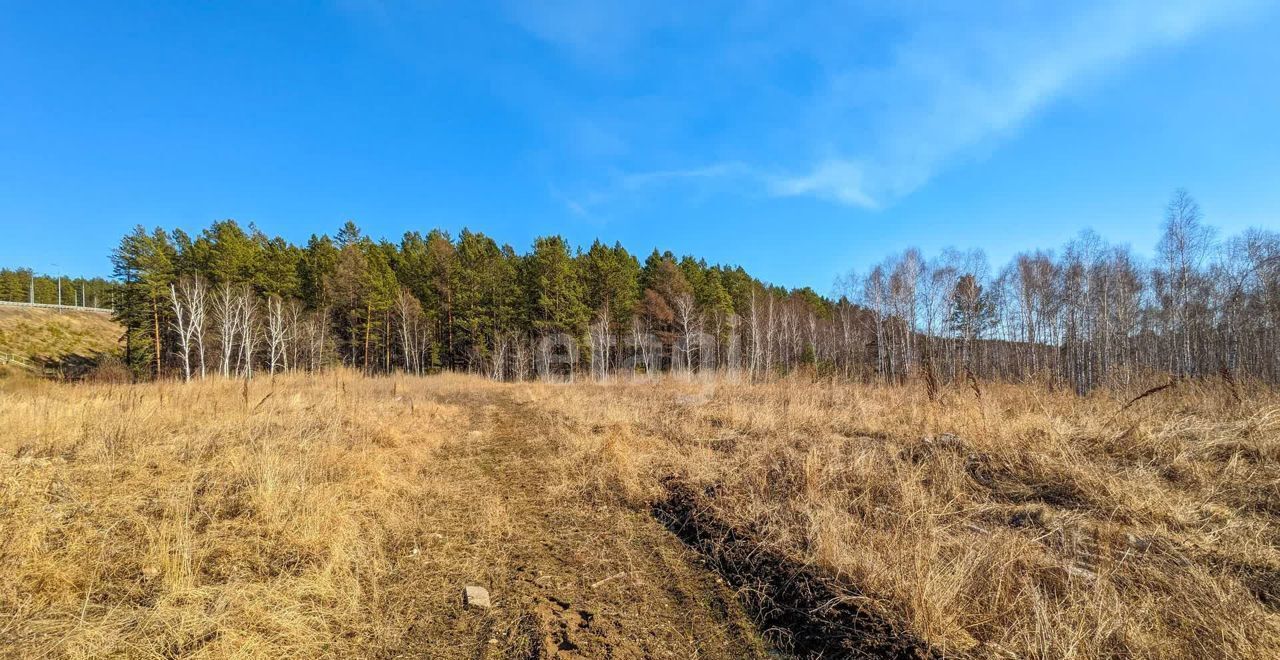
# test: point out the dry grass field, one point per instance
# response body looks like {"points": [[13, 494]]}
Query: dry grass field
{"points": [[341, 516]]}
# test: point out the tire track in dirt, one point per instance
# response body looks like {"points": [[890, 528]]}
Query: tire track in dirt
{"points": [[568, 578], [805, 613]]}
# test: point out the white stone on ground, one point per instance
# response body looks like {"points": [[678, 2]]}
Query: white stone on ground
{"points": [[476, 597]]}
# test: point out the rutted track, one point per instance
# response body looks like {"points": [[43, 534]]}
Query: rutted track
{"points": [[731, 597], [802, 613], [569, 578]]}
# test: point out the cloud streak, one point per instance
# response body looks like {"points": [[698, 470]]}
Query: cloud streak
{"points": [[841, 181], [955, 88], [623, 185], [865, 126]]}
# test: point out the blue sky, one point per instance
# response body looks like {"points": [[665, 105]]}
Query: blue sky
{"points": [[800, 140]]}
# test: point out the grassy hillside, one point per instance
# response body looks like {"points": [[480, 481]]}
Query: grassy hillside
{"points": [[57, 338]]}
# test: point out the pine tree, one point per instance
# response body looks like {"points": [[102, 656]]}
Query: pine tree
{"points": [[428, 268], [348, 234], [487, 294], [144, 264], [668, 305], [316, 265], [972, 312], [611, 278], [554, 293], [348, 287], [276, 270], [227, 255], [378, 300]]}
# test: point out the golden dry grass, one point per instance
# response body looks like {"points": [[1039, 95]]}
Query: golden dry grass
{"points": [[43, 335], [163, 520], [337, 515], [326, 516], [1024, 522]]}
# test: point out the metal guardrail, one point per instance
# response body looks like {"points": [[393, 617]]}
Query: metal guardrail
{"points": [[5, 358], [66, 308]]}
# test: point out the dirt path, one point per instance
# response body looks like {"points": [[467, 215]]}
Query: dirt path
{"points": [[568, 579]]}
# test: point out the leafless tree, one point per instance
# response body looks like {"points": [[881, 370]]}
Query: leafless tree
{"points": [[277, 335], [410, 326], [250, 332], [227, 324], [689, 321], [1182, 249], [598, 339], [188, 300]]}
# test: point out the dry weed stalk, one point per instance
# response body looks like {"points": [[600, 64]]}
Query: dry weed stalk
{"points": [[1146, 393], [973, 382], [1232, 386]]}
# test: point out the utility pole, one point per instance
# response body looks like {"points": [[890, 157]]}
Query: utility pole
{"points": [[31, 293]]}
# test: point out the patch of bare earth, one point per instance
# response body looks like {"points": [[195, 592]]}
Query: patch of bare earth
{"points": [[568, 579], [802, 611]]}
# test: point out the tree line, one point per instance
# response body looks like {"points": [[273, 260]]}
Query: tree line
{"points": [[25, 285], [1092, 314], [235, 302]]}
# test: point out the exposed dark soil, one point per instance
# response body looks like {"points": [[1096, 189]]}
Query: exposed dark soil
{"points": [[800, 612]]}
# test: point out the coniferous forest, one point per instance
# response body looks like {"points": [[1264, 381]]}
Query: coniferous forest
{"points": [[234, 301], [24, 285]]}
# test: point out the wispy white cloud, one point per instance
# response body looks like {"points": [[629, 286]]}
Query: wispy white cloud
{"points": [[840, 181], [622, 185], [580, 206], [835, 180], [954, 89], [597, 32], [878, 122]]}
